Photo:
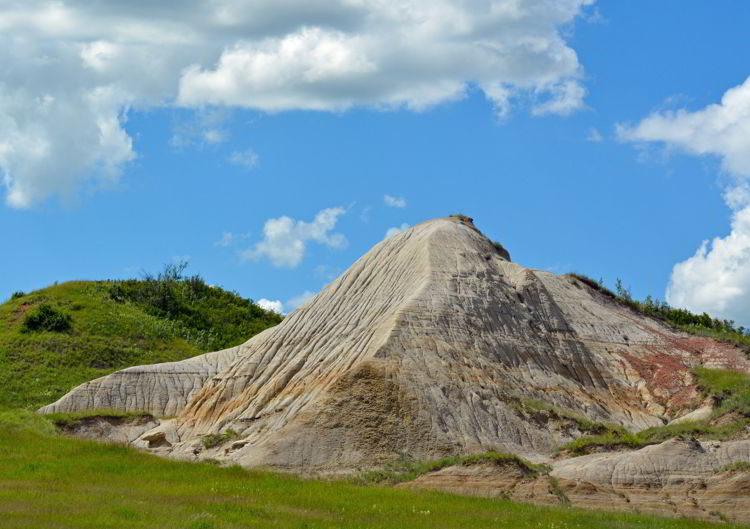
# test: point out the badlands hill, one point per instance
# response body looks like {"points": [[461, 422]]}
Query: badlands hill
{"points": [[435, 344]]}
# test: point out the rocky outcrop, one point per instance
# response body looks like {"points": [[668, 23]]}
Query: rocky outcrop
{"points": [[680, 478], [420, 348]]}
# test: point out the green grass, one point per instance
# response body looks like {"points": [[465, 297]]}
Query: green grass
{"points": [[72, 419], [405, 469], [109, 331], [739, 466], [731, 389], [584, 424], [63, 483]]}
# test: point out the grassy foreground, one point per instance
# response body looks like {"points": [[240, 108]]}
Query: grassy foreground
{"points": [[55, 482]]}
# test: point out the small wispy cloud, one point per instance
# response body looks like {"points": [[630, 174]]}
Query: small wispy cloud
{"points": [[594, 135], [205, 128], [395, 230], [298, 301], [364, 216], [394, 202], [247, 159], [229, 238]]}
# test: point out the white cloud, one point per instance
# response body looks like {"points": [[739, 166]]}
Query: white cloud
{"points": [[394, 202], [298, 301], [285, 239], [275, 305], [72, 70], [717, 278], [247, 159], [721, 130], [399, 229], [562, 98], [594, 135]]}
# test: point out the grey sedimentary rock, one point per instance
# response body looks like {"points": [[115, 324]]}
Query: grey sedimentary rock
{"points": [[159, 389], [421, 348]]}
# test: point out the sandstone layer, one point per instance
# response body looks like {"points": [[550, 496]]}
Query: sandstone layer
{"points": [[421, 349]]}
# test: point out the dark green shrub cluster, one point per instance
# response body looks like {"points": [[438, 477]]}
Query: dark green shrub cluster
{"points": [[46, 318], [17, 294], [211, 317]]}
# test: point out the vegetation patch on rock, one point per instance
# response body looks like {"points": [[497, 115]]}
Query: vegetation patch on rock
{"points": [[730, 389], [404, 469]]}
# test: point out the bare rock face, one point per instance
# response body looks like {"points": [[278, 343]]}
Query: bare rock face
{"points": [[420, 348], [158, 389]]}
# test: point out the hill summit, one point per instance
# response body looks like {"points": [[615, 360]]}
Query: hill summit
{"points": [[432, 344]]}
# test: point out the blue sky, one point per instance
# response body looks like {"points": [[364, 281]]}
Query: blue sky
{"points": [[258, 140]]}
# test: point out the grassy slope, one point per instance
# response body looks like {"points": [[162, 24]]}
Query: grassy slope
{"points": [[729, 389], [56, 482], [39, 367]]}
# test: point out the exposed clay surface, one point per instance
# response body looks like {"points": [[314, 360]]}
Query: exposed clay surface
{"points": [[681, 478], [419, 349]]}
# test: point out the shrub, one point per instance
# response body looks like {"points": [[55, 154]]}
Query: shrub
{"points": [[46, 318], [213, 440], [17, 294]]}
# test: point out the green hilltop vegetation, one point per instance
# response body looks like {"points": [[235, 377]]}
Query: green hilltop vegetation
{"points": [[55, 338]]}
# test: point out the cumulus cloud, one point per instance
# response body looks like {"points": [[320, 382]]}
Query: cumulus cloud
{"points": [[274, 306], [717, 278], [721, 129], [73, 69], [247, 159], [394, 202], [398, 229], [285, 239]]}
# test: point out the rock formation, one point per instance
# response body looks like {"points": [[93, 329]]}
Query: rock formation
{"points": [[680, 477], [424, 348]]}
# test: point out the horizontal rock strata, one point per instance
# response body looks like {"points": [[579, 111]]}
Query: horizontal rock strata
{"points": [[680, 478]]}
